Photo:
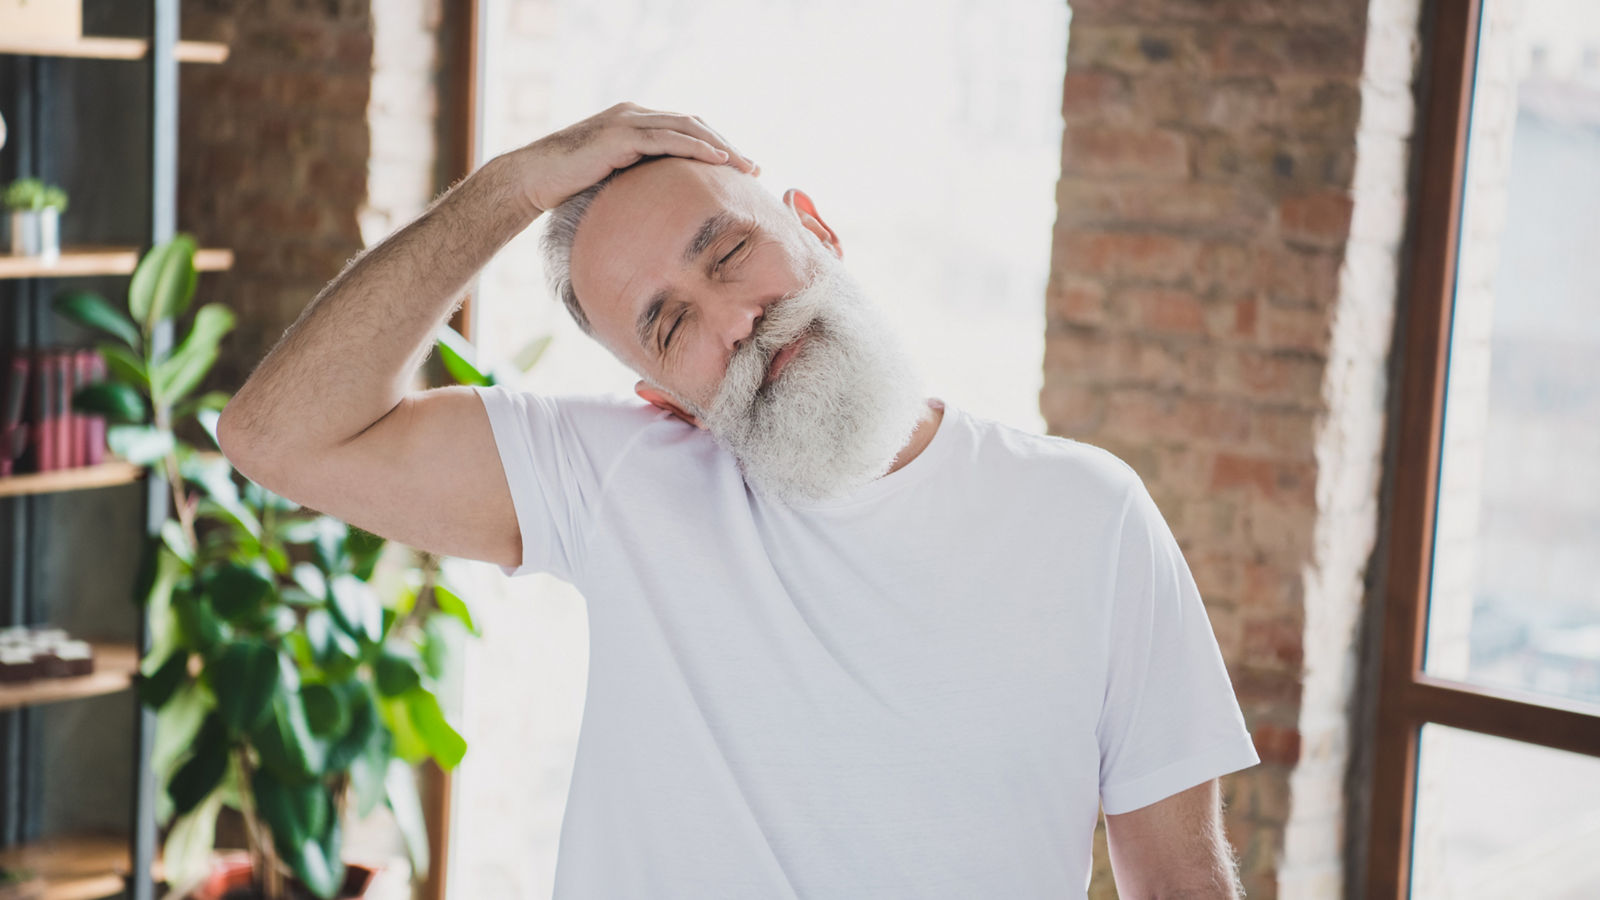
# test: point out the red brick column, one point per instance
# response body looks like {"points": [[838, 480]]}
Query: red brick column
{"points": [[1219, 312]]}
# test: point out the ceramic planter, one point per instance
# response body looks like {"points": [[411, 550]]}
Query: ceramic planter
{"points": [[232, 871], [36, 232]]}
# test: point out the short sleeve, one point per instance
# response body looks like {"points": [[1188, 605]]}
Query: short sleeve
{"points": [[556, 453], [1170, 720]]}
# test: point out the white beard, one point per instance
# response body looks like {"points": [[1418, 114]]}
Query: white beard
{"points": [[841, 409]]}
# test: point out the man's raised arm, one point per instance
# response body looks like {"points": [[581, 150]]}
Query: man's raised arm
{"points": [[326, 418]]}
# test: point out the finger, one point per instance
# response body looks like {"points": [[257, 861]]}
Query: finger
{"points": [[657, 141], [693, 126]]}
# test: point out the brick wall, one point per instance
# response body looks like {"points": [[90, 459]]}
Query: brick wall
{"points": [[274, 146], [1222, 293]]}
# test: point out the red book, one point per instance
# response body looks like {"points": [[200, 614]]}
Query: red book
{"points": [[43, 417], [71, 419], [94, 427], [61, 365], [80, 421]]}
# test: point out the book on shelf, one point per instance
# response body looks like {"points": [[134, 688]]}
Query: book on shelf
{"points": [[40, 431]]}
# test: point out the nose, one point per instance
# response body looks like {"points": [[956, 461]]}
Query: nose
{"points": [[739, 319]]}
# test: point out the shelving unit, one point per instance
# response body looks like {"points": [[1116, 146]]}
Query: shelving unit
{"points": [[118, 862]]}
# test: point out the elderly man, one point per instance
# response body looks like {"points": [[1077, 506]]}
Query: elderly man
{"points": [[847, 640]]}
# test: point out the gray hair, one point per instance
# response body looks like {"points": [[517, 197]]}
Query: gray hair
{"points": [[556, 245]]}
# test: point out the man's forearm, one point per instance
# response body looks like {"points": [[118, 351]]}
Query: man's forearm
{"points": [[349, 357]]}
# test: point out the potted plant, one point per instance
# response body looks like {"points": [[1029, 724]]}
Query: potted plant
{"points": [[36, 209], [294, 675]]}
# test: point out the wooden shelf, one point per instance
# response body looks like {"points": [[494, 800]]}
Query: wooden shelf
{"points": [[91, 259], [75, 867], [114, 668], [110, 48], [105, 474]]}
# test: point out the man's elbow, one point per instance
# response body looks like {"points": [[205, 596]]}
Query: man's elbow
{"points": [[239, 445]]}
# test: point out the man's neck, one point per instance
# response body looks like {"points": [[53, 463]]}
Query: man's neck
{"points": [[919, 438]]}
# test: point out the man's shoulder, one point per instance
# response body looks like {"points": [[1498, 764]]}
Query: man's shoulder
{"points": [[1039, 459]]}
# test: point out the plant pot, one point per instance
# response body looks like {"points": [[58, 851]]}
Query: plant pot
{"points": [[36, 232], [232, 875]]}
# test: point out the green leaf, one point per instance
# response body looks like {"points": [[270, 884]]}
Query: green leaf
{"points": [[208, 420], [395, 673], [356, 607], [164, 282], [276, 558], [186, 852], [362, 548], [93, 311], [327, 547], [367, 772], [203, 771], [400, 785], [333, 649], [297, 812], [156, 689], [172, 535], [530, 353], [141, 445], [451, 604], [210, 400], [361, 728], [326, 710], [284, 739], [116, 401], [318, 864], [434, 647], [261, 498], [181, 372], [408, 742], [444, 744], [199, 624], [124, 364], [244, 676], [237, 592], [459, 357], [215, 475], [309, 577]]}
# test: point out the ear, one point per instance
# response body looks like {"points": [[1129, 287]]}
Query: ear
{"points": [[661, 400], [806, 212]]}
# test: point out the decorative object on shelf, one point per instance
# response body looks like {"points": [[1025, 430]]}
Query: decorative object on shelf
{"points": [[41, 18], [36, 209], [288, 690], [29, 653]]}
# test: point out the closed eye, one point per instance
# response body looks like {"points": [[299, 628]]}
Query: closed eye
{"points": [[675, 323], [730, 254]]}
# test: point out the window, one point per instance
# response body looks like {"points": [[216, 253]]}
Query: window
{"points": [[1492, 623]]}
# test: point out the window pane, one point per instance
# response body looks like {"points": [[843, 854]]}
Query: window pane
{"points": [[1499, 818], [1516, 579]]}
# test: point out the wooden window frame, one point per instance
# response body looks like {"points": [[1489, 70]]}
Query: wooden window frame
{"points": [[1407, 697]]}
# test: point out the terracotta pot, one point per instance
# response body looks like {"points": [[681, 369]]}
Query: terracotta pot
{"points": [[232, 871]]}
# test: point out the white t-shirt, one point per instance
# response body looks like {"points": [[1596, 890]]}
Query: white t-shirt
{"points": [[926, 689]]}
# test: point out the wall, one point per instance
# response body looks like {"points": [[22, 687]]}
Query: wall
{"points": [[275, 145], [1231, 208]]}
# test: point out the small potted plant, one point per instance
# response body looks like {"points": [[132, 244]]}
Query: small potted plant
{"points": [[36, 209]]}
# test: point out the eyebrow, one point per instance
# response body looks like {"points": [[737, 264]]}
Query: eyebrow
{"points": [[707, 234]]}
